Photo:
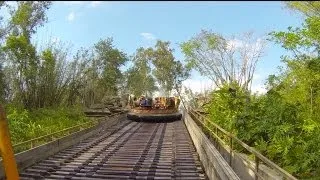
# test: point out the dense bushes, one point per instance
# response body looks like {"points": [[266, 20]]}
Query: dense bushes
{"points": [[40, 84], [276, 126], [284, 123]]}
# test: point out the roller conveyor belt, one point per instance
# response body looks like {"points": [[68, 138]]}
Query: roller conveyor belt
{"points": [[130, 150]]}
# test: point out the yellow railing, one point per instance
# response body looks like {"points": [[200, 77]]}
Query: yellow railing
{"points": [[215, 130], [6, 151]]}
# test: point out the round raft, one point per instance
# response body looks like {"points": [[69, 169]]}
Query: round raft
{"points": [[154, 115]]}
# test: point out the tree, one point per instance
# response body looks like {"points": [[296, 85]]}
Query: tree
{"points": [[2, 74], [77, 77], [139, 78], [29, 16], [308, 8], [180, 74], [22, 54], [47, 79], [294, 96], [224, 60], [88, 78], [2, 85], [109, 61], [169, 72], [303, 67], [164, 65], [5, 27]]}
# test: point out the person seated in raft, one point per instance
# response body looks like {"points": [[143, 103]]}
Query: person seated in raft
{"points": [[148, 102], [157, 103], [171, 103], [136, 102], [142, 101]]}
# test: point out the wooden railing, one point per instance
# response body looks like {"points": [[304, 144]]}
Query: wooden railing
{"points": [[6, 150], [215, 130], [22, 146]]}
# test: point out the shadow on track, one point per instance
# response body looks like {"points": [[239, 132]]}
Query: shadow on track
{"points": [[155, 119]]}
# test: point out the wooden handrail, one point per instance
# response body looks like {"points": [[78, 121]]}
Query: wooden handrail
{"points": [[62, 131], [247, 147], [49, 135]]}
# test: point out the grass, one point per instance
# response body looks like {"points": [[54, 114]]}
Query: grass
{"points": [[25, 125]]}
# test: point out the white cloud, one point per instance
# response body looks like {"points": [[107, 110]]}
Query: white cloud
{"points": [[71, 16], [12, 3], [148, 36], [234, 44], [95, 3], [258, 83], [55, 40], [237, 43], [256, 77], [205, 84], [258, 88], [73, 3], [198, 85]]}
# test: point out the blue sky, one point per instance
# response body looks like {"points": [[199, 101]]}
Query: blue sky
{"points": [[135, 24]]}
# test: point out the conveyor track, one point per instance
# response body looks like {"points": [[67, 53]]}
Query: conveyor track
{"points": [[130, 150]]}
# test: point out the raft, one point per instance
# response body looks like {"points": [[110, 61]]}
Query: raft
{"points": [[154, 115]]}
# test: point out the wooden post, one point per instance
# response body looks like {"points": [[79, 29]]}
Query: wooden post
{"points": [[6, 150], [230, 154], [257, 166]]}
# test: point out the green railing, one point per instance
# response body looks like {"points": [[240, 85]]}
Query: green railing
{"points": [[23, 146], [219, 134]]}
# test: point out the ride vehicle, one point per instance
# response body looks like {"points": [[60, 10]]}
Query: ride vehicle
{"points": [[158, 109]]}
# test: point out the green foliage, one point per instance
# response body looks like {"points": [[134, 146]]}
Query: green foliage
{"points": [[42, 87], [309, 8], [109, 60], [163, 60], [201, 52], [48, 78], [300, 40], [227, 104], [299, 93], [296, 101], [21, 53], [283, 124], [30, 15], [167, 72], [139, 78], [2, 85], [276, 127], [224, 60], [25, 125]]}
